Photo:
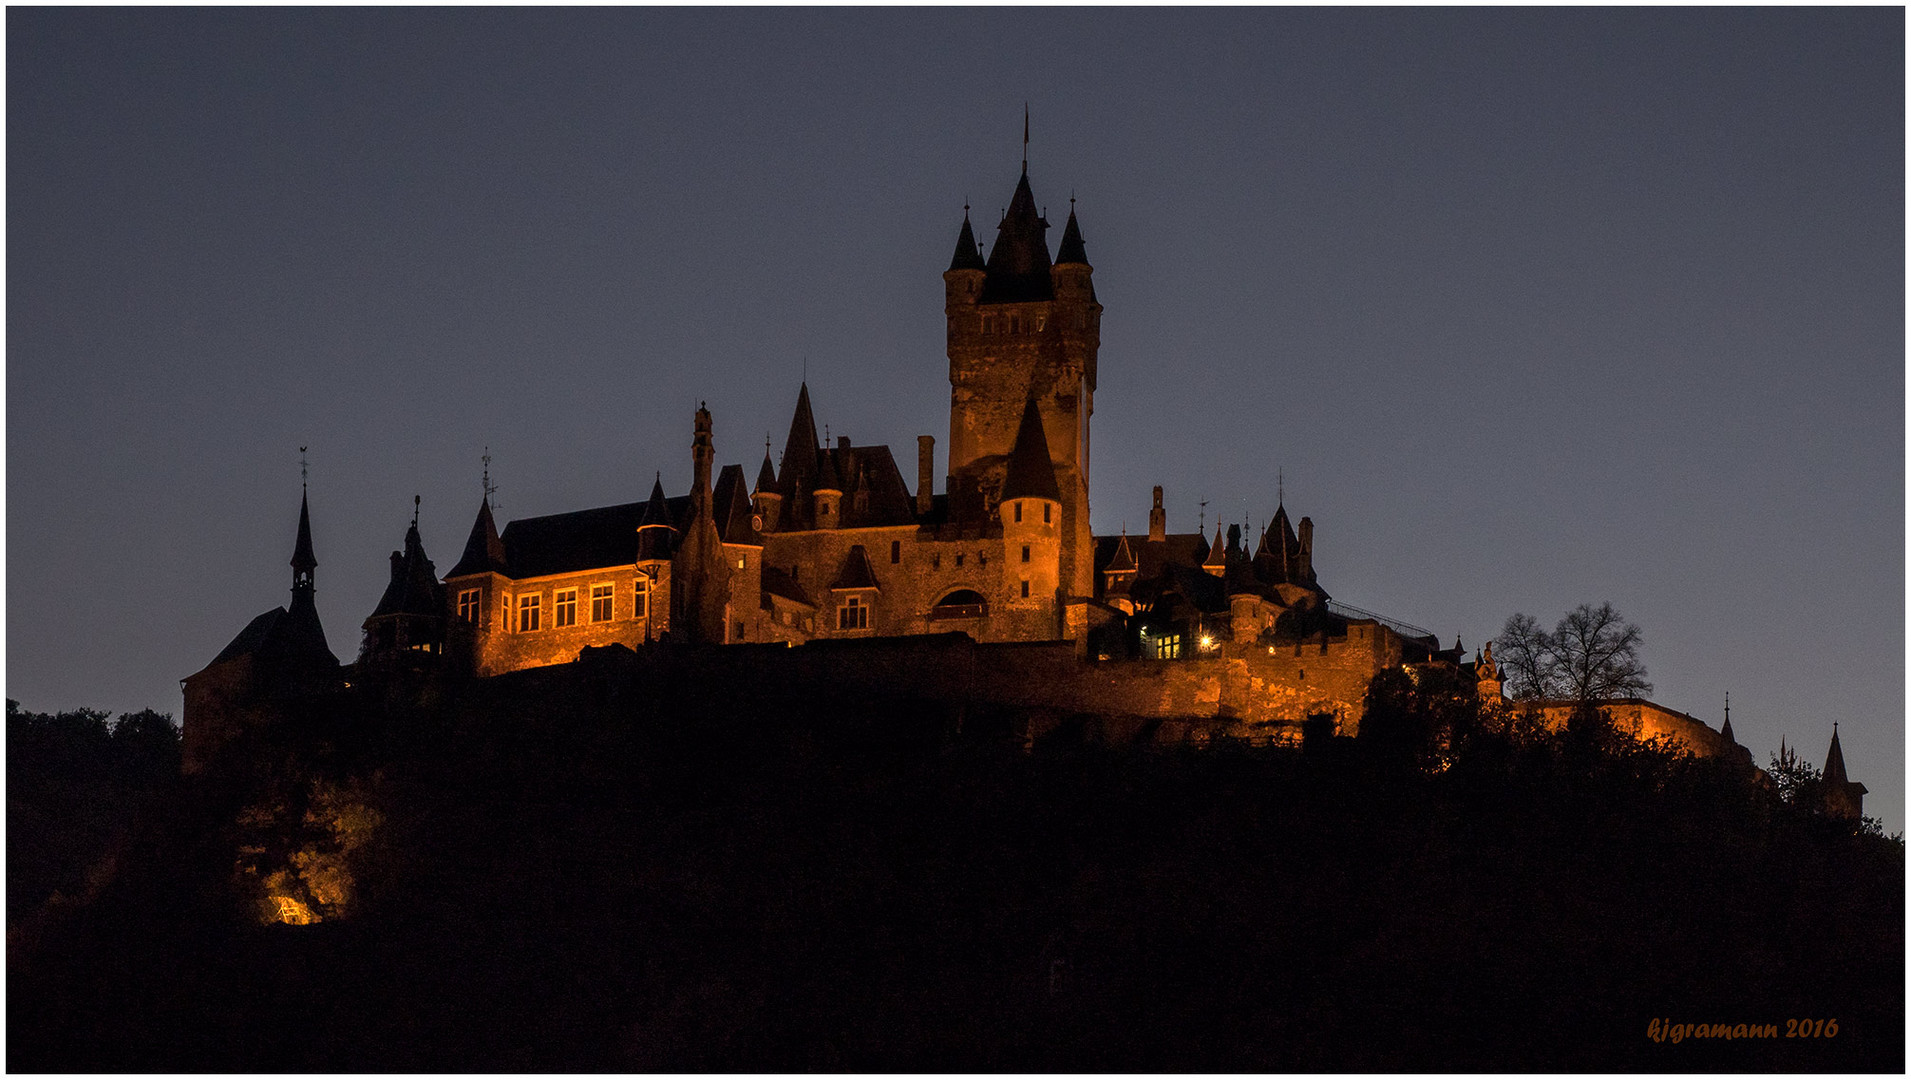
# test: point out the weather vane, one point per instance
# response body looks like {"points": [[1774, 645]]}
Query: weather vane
{"points": [[415, 501], [302, 474], [1204, 517]]}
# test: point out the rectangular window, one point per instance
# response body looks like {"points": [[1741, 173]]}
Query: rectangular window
{"points": [[603, 603], [739, 632], [1048, 513], [1024, 552], [528, 612], [1024, 588], [564, 608], [895, 551], [958, 558], [935, 560], [1018, 511], [639, 597], [853, 615], [468, 605], [1168, 647]]}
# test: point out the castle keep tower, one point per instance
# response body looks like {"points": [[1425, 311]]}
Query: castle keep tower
{"points": [[1023, 329]]}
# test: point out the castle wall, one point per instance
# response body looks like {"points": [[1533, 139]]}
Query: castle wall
{"points": [[498, 645], [1646, 720]]}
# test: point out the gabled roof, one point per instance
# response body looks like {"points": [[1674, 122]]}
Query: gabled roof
{"points": [[1031, 472], [483, 550], [1123, 561], [967, 257], [1018, 263], [277, 638], [856, 572]]}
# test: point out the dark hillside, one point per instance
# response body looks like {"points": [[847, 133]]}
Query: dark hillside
{"points": [[610, 867]]}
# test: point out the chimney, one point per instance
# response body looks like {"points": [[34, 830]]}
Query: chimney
{"points": [[1157, 520], [1307, 549], [842, 442], [925, 473]]}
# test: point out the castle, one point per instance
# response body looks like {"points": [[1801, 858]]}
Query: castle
{"points": [[831, 544]]}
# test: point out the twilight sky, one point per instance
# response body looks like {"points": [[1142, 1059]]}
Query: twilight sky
{"points": [[1533, 307]]}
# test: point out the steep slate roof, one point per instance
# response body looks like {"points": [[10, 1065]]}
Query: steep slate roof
{"points": [[278, 637], [766, 476], [1186, 549], [799, 455], [856, 572], [580, 540], [483, 551], [1123, 561], [828, 476], [414, 587], [889, 500], [778, 582], [1031, 472], [1217, 553], [967, 257], [1835, 761], [1018, 264], [730, 505]]}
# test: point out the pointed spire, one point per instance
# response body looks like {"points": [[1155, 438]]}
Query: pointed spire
{"points": [[967, 257], [1835, 762], [799, 450], [303, 561], [1727, 729], [1025, 138], [827, 479], [1031, 471], [1071, 250], [655, 531], [766, 476]]}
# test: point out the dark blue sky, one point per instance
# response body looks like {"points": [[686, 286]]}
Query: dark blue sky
{"points": [[1533, 307]]}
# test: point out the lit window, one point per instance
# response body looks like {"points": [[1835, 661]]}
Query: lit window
{"points": [[468, 605], [1024, 552], [603, 604], [528, 613], [853, 615], [639, 597], [1168, 647], [564, 608]]}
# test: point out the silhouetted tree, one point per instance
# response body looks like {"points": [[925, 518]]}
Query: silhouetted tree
{"points": [[1591, 655]]}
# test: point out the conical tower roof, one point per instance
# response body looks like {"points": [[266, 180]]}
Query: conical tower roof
{"points": [[657, 510], [766, 476], [967, 256], [1071, 250], [1217, 552], [483, 551], [1031, 472], [414, 588], [827, 478]]}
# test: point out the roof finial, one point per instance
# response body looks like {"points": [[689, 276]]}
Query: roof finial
{"points": [[1280, 487], [489, 490], [1025, 138], [415, 500], [1204, 518], [301, 470]]}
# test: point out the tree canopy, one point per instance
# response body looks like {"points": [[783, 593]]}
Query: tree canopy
{"points": [[1592, 654]]}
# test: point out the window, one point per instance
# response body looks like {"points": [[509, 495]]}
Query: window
{"points": [[853, 615], [1018, 511], [1048, 513], [958, 558], [1025, 588], [1041, 323], [935, 560], [739, 632], [739, 562], [895, 551], [639, 597], [564, 608], [603, 605], [528, 613], [468, 605], [1168, 647], [1024, 552]]}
